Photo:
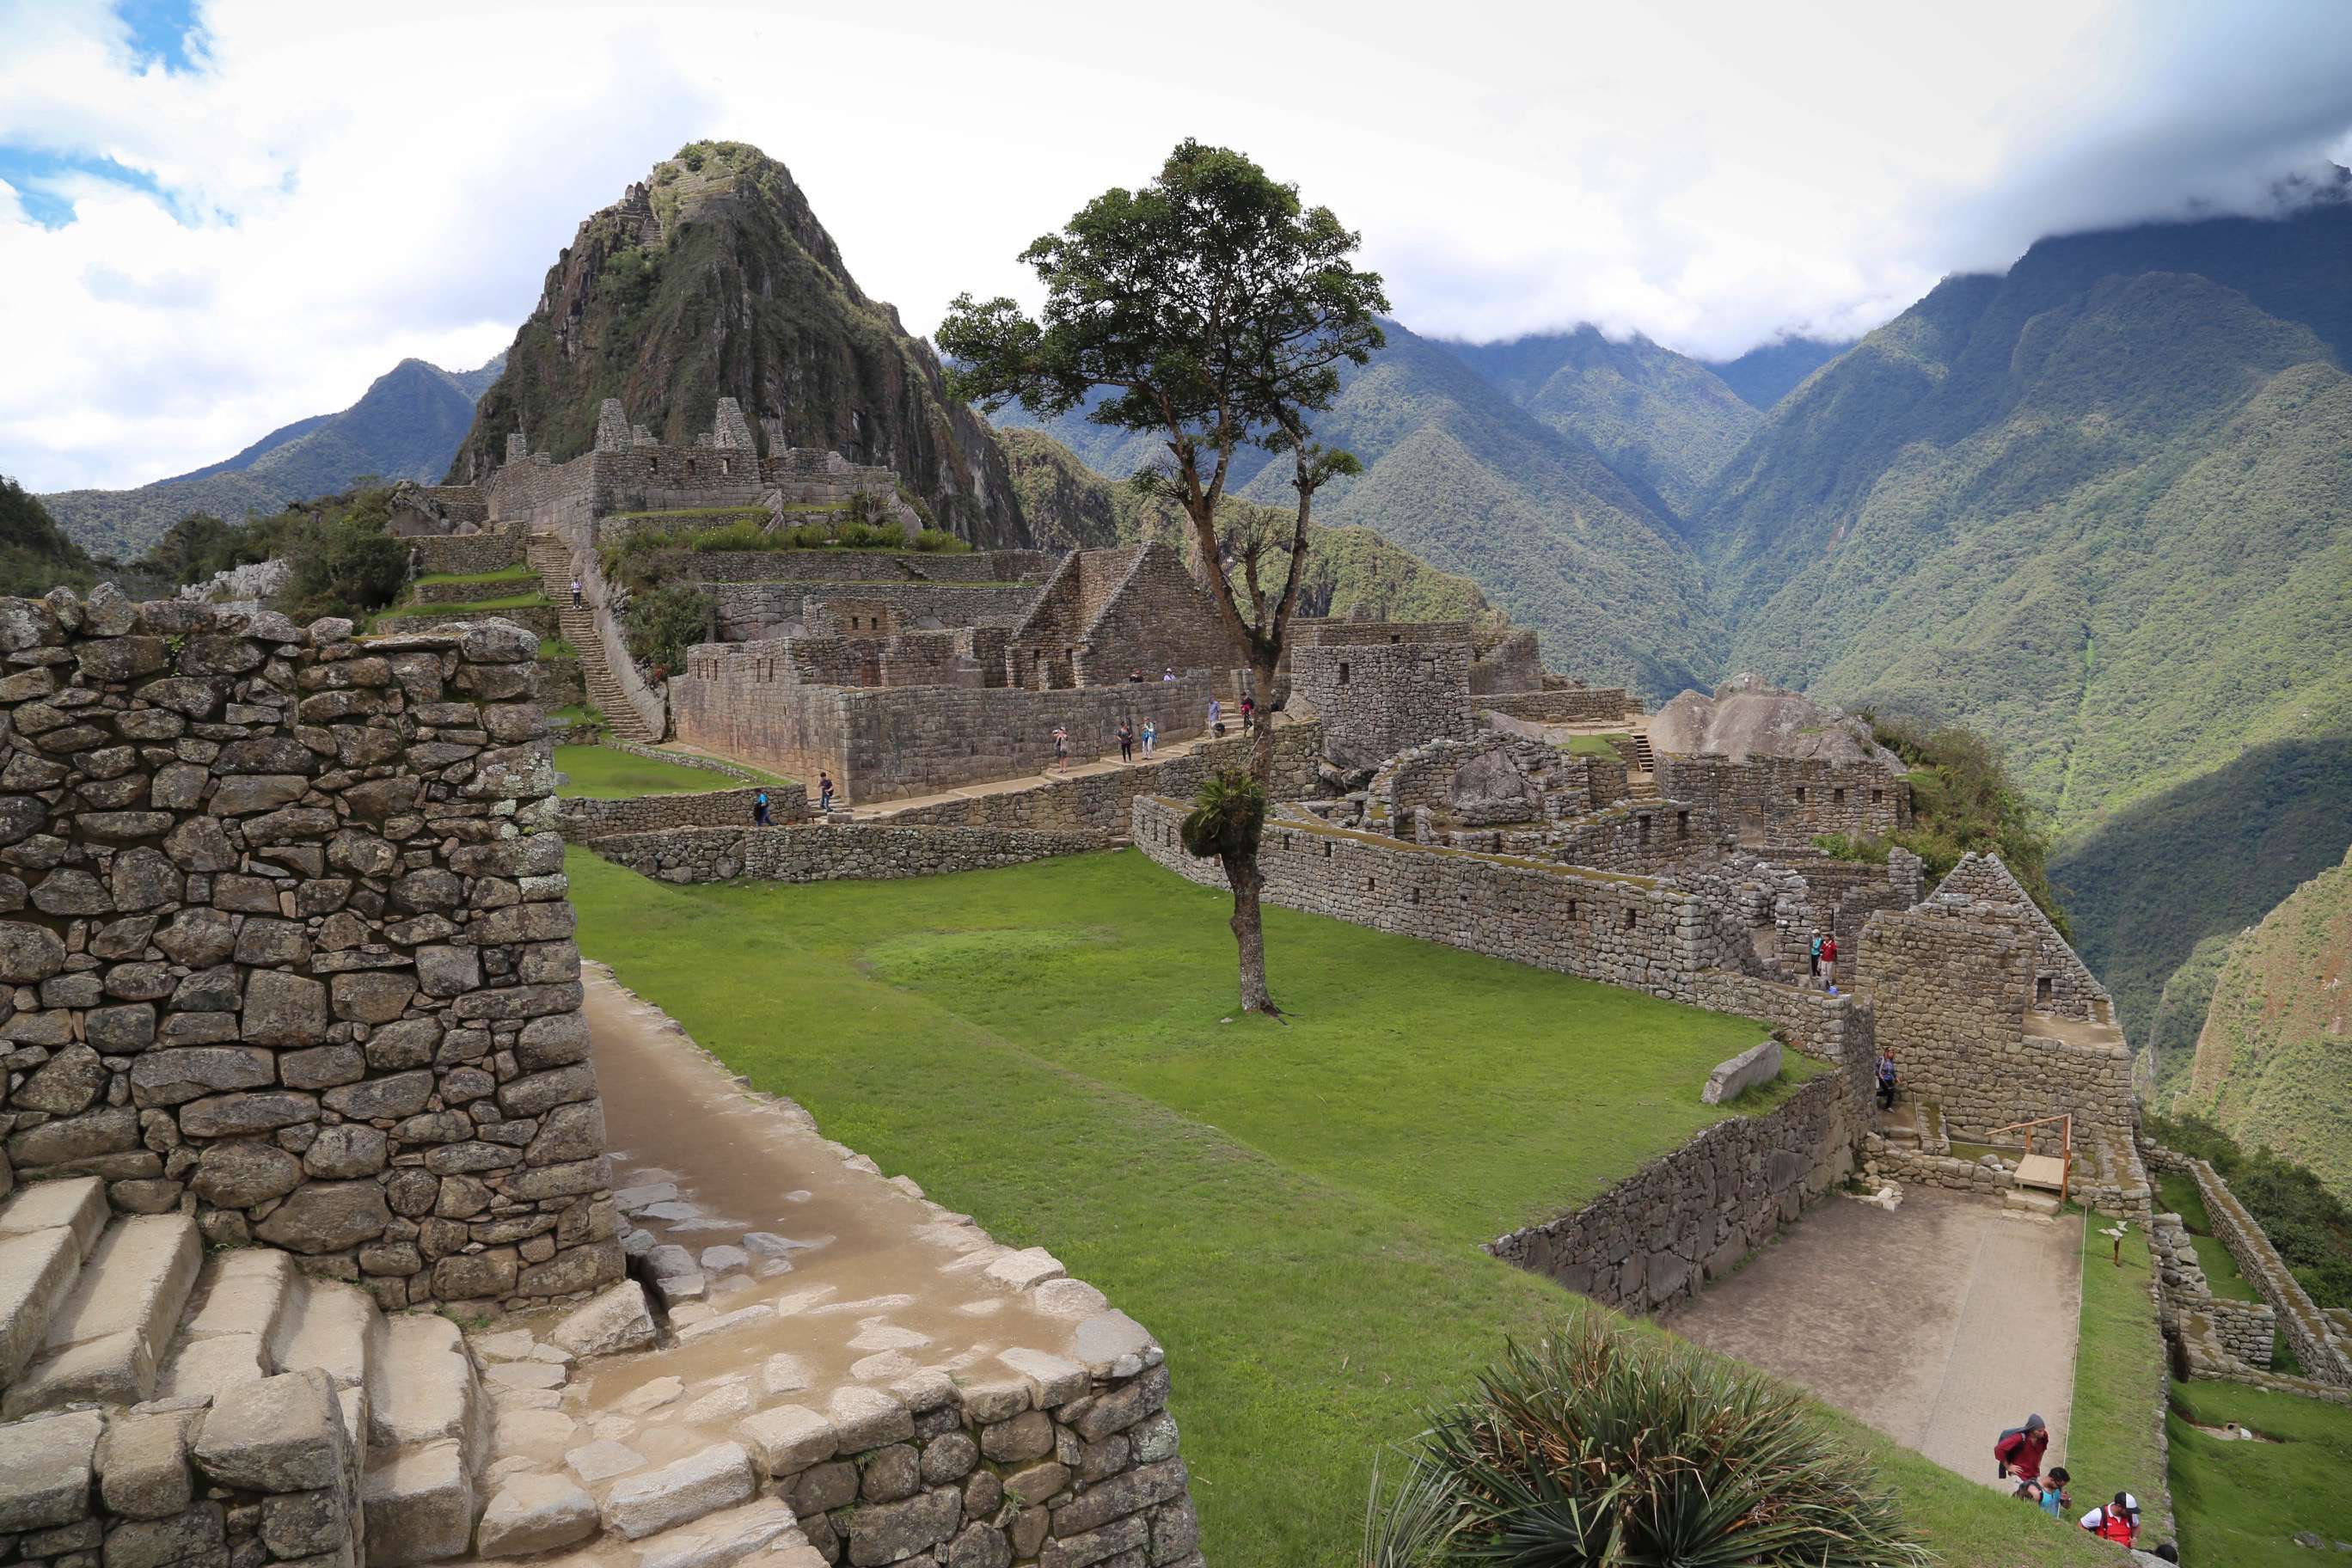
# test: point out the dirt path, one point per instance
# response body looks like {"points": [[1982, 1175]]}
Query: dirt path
{"points": [[1939, 1324]]}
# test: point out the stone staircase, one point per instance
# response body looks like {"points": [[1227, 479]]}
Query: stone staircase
{"points": [[553, 561], [119, 1312]]}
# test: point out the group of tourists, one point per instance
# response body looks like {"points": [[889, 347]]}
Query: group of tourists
{"points": [[2017, 1456]]}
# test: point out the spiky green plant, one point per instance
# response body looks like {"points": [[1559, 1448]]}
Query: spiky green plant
{"points": [[1595, 1447], [1227, 815]]}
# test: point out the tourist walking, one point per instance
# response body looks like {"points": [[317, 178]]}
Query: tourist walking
{"points": [[1217, 718], [2055, 1500], [2114, 1520], [1126, 742], [575, 593], [823, 791], [1135, 676], [760, 809], [1815, 968], [1249, 708], [2020, 1450], [1829, 964], [1168, 675], [1150, 734], [1061, 749], [1886, 1079]]}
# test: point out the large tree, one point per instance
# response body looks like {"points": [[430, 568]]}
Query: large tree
{"points": [[1212, 309]]}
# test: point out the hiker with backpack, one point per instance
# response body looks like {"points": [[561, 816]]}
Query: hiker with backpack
{"points": [[760, 809], [1886, 1079], [2114, 1520], [2021, 1449]]}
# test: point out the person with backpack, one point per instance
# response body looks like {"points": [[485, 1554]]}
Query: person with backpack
{"points": [[1126, 742], [2021, 1449], [1829, 964], [1886, 1079], [823, 791], [2114, 1520], [760, 809], [2055, 1500], [1814, 968]]}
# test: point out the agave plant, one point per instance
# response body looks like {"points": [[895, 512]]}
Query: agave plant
{"points": [[1227, 815], [1593, 1448]]}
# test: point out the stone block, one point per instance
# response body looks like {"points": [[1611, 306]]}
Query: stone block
{"points": [[282, 1434], [616, 1320], [533, 1513], [1757, 1066], [46, 1467], [714, 1478]]}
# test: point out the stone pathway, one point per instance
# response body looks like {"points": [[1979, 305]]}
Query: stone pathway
{"points": [[802, 1290], [1940, 1323]]}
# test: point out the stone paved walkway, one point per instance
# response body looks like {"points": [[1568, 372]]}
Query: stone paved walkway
{"points": [[1939, 1324]]}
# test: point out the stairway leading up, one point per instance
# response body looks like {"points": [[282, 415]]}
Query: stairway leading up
{"points": [[551, 559]]}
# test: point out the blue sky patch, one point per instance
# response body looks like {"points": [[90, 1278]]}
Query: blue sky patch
{"points": [[43, 179], [160, 30]]}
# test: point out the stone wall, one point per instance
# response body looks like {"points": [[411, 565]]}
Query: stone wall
{"points": [[885, 744], [288, 934], [558, 683], [839, 851], [1377, 700], [2063, 983], [1788, 802], [1103, 803], [1628, 931], [1514, 664], [1572, 705], [745, 610], [2306, 1329], [2248, 1331], [1156, 618], [466, 552], [1322, 631], [1950, 991], [585, 820], [543, 621], [1692, 1215]]}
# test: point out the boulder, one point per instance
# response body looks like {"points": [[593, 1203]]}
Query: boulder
{"points": [[614, 1320]]}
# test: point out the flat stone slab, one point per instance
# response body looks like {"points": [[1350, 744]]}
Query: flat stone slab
{"points": [[535, 1514], [1756, 1064], [44, 1470], [683, 1491], [720, 1539]]}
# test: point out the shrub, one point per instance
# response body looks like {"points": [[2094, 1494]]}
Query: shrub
{"points": [[1594, 1447], [811, 535], [1962, 799], [1228, 814], [664, 624], [939, 540], [1859, 846]]}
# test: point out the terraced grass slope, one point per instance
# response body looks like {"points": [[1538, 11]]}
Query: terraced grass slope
{"points": [[2274, 1065], [2244, 1503], [1294, 1211]]}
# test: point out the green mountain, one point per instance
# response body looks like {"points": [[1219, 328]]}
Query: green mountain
{"points": [[2274, 1064], [1349, 570], [1654, 416], [34, 554], [2101, 508], [1766, 374], [714, 279], [404, 426]]}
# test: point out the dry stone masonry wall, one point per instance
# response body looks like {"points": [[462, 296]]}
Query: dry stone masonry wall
{"points": [[1376, 699], [838, 851], [286, 927]]}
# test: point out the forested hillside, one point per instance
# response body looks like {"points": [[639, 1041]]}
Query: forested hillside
{"points": [[1766, 374], [402, 427], [2100, 508], [34, 554], [1655, 416], [2274, 1064]]}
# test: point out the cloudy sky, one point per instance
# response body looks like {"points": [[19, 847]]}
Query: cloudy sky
{"points": [[220, 216]]}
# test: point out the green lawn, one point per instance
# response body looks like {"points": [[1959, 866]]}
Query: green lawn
{"points": [[1594, 746], [603, 773], [2119, 1371], [518, 572], [1294, 1211], [2179, 1192], [2241, 1503], [532, 600]]}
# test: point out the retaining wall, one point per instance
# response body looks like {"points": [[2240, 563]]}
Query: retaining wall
{"points": [[1788, 802], [1376, 700], [2306, 1329], [286, 928], [1103, 803], [585, 820], [1691, 1216], [857, 851], [464, 552], [1574, 705]]}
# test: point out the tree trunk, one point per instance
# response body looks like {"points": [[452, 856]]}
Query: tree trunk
{"points": [[1249, 931]]}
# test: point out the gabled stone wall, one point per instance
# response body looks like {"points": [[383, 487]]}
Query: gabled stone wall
{"points": [[1788, 802], [1377, 700], [286, 927]]}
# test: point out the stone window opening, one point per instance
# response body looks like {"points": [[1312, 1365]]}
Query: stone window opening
{"points": [[1343, 674], [1837, 797], [1629, 920], [1327, 852], [1396, 637], [1800, 795], [653, 464], [2045, 990], [1877, 796], [1368, 884], [1682, 825], [1642, 835], [1571, 908]]}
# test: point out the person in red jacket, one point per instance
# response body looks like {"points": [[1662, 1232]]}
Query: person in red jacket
{"points": [[2021, 1449], [1829, 964]]}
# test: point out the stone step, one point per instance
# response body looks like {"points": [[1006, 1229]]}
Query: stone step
{"points": [[2041, 1204], [105, 1342], [240, 1299], [331, 1327], [425, 1441], [45, 1231]]}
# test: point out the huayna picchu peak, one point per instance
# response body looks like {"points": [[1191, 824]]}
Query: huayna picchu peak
{"points": [[711, 278]]}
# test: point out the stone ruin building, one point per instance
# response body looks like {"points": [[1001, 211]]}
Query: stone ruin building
{"points": [[298, 1078]]}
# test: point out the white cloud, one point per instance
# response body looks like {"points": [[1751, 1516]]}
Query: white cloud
{"points": [[362, 185]]}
